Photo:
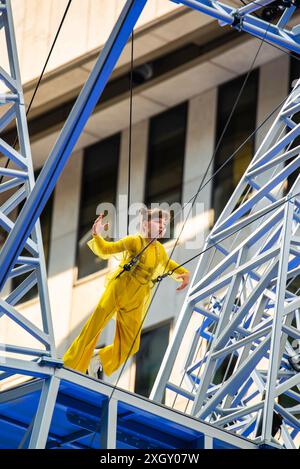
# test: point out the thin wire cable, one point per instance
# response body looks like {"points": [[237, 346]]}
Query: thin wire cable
{"points": [[217, 171], [218, 144], [130, 129], [193, 257], [212, 157], [129, 146], [201, 186], [282, 50], [289, 53], [225, 237], [215, 325], [173, 270]]}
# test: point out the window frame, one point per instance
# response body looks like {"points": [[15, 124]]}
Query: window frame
{"points": [[106, 266]]}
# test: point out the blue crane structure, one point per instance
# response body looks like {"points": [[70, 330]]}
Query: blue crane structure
{"points": [[242, 293]]}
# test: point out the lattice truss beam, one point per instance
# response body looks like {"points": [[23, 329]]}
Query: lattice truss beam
{"points": [[17, 181], [21, 233], [246, 19], [243, 303]]}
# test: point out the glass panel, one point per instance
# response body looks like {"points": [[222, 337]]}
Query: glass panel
{"points": [[153, 346], [99, 184], [241, 125], [166, 149]]}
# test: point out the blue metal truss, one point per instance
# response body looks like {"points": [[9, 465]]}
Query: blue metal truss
{"points": [[22, 233], [243, 20], [68, 137]]}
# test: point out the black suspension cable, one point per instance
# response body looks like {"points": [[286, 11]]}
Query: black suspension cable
{"points": [[130, 130], [199, 254], [289, 53], [134, 260]]}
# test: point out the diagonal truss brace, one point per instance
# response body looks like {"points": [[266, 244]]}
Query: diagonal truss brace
{"points": [[257, 315]]}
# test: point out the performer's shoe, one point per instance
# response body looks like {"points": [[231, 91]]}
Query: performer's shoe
{"points": [[294, 361], [95, 366]]}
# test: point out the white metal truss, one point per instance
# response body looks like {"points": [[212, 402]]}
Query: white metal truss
{"points": [[243, 292], [17, 182], [243, 302]]}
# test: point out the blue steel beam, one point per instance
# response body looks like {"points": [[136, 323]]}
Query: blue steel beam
{"points": [[69, 135]]}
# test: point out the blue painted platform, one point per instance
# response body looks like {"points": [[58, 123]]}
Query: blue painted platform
{"points": [[78, 419]]}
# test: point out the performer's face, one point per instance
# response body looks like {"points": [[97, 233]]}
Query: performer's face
{"points": [[156, 227]]}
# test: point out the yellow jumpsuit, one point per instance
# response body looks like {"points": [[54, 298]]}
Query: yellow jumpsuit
{"points": [[128, 296]]}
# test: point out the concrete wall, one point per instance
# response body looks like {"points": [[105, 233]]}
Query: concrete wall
{"points": [[86, 27]]}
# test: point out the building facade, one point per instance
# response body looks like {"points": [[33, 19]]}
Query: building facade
{"points": [[188, 73]]}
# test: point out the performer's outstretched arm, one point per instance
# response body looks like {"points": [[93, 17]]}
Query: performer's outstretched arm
{"points": [[181, 274], [105, 249]]}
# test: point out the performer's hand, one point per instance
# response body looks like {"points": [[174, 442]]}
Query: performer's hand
{"points": [[98, 226], [185, 281]]}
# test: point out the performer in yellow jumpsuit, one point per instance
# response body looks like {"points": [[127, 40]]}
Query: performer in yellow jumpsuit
{"points": [[128, 295]]}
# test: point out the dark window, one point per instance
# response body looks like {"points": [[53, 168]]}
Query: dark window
{"points": [[294, 75], [98, 185], [146, 72], [242, 123], [148, 359], [46, 223], [166, 150]]}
